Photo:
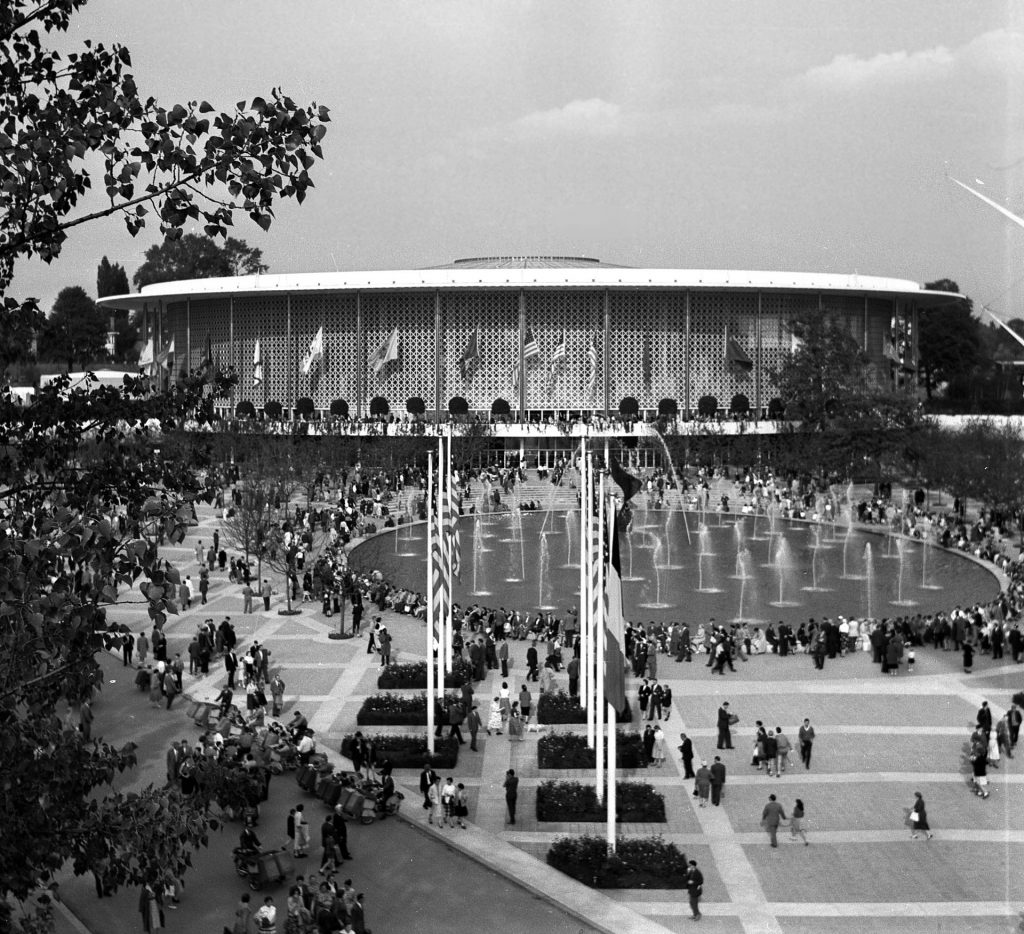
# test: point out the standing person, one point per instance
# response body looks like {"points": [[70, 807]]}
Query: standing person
{"points": [[772, 815], [717, 780], [247, 595], [357, 610], [151, 906], [525, 702], [643, 697], [277, 695], [301, 839], [694, 887], [127, 645], [511, 793], [494, 719], [654, 704], [266, 591], [984, 717], [658, 752], [515, 723], [573, 670], [806, 736], [1003, 735], [503, 657], [473, 721], [384, 638], [532, 673], [666, 701], [782, 748], [427, 777], [448, 803], [648, 743], [266, 916], [436, 815], [243, 917], [686, 749], [703, 783], [142, 648], [796, 822], [725, 720], [461, 807], [919, 818], [1014, 719]]}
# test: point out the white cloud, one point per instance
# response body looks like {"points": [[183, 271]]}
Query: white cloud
{"points": [[1000, 51], [591, 117]]}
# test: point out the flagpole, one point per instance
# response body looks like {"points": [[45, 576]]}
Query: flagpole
{"points": [[450, 538], [430, 604], [586, 563], [599, 706], [612, 715], [441, 623]]}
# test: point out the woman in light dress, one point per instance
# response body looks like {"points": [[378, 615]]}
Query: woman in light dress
{"points": [[494, 718], [658, 752]]}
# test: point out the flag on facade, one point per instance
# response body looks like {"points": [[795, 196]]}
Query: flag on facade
{"points": [[530, 346], [558, 353], [795, 343], [615, 627], [257, 365], [146, 357], [384, 354], [591, 368], [163, 358], [515, 376], [206, 368], [889, 349], [735, 354], [315, 352], [470, 358]]}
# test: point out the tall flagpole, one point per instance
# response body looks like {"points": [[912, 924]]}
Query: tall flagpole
{"points": [[585, 677], [431, 622], [449, 529], [599, 705], [443, 612], [612, 714]]}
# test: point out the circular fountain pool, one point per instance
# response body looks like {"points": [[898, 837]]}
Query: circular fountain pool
{"points": [[732, 568]]}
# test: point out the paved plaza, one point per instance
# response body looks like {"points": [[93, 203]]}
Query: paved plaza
{"points": [[879, 739]]}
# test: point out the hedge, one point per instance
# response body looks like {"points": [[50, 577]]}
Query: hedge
{"points": [[415, 676], [636, 802], [408, 751], [637, 863], [562, 708], [570, 751], [391, 709]]}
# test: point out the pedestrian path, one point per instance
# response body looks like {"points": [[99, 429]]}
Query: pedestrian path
{"points": [[878, 740]]}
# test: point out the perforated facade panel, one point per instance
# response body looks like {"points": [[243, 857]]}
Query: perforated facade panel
{"points": [[496, 315], [550, 315]]}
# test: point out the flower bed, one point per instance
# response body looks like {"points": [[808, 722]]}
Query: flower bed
{"points": [[561, 708], [391, 709], [408, 751], [637, 863], [569, 751], [415, 676], [635, 802]]}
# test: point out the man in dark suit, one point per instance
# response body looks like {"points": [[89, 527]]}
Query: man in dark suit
{"points": [[686, 748], [694, 888], [717, 780], [357, 610], [724, 736]]}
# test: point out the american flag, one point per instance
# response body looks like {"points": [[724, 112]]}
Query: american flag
{"points": [[530, 346], [453, 541], [615, 627]]}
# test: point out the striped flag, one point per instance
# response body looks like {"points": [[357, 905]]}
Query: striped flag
{"points": [[530, 346], [453, 541], [591, 368], [615, 628]]}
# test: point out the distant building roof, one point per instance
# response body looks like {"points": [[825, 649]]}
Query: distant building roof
{"points": [[527, 262]]}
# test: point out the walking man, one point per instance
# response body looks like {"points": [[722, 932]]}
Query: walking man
{"points": [[247, 596], [724, 722], [511, 793], [695, 888], [771, 817], [806, 737], [686, 748], [717, 780], [474, 726]]}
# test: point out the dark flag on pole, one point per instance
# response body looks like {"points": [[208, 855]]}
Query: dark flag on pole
{"points": [[630, 485], [735, 355], [470, 358], [207, 369]]}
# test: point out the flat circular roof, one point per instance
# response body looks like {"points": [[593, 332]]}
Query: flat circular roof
{"points": [[527, 272]]}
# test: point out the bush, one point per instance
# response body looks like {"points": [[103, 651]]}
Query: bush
{"points": [[389, 709], [638, 862], [569, 751], [415, 676], [561, 708], [635, 802], [408, 751]]}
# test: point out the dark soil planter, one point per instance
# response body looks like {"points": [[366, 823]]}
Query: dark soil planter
{"points": [[636, 802], [637, 863], [408, 751], [395, 677], [561, 708], [392, 709], [569, 751]]}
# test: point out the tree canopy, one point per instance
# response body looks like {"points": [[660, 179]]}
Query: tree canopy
{"points": [[84, 489], [949, 340], [111, 279], [196, 257], [76, 330]]}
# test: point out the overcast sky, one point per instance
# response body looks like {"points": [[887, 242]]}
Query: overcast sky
{"points": [[807, 135]]}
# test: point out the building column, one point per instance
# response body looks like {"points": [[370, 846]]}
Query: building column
{"points": [[231, 347], [686, 360], [522, 349], [438, 362], [188, 335], [289, 357], [360, 356], [759, 366], [606, 370]]}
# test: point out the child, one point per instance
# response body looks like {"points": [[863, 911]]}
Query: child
{"points": [[910, 662]]}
